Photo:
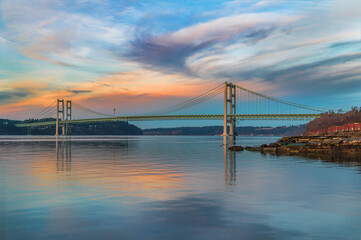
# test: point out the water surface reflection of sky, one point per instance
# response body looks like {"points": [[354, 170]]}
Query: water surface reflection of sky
{"points": [[172, 188]]}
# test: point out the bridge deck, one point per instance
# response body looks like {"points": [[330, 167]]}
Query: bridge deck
{"points": [[179, 117]]}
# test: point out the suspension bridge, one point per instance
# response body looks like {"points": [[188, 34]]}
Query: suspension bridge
{"points": [[234, 103]]}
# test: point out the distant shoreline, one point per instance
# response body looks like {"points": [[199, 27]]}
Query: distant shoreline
{"points": [[218, 130]]}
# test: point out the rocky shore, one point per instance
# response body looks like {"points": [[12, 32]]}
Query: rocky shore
{"points": [[345, 146]]}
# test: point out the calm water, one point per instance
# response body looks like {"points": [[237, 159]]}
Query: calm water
{"points": [[171, 188]]}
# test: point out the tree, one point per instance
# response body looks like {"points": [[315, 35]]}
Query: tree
{"points": [[354, 109]]}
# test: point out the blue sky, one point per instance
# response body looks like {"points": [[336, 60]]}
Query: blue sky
{"points": [[143, 55]]}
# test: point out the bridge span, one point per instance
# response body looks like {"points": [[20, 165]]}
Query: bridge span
{"points": [[177, 117], [237, 103]]}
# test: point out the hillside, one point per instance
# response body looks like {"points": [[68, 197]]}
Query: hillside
{"points": [[331, 119]]}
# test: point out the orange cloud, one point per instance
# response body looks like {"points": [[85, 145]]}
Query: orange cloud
{"points": [[129, 92]]}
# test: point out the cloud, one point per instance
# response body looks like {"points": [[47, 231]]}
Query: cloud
{"points": [[327, 62], [15, 95], [169, 52], [44, 30], [247, 6], [346, 44], [108, 85], [79, 91], [130, 92], [347, 8], [20, 91], [332, 75]]}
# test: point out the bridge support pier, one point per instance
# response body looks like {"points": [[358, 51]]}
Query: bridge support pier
{"points": [[229, 99], [68, 117], [232, 109], [59, 109], [225, 118]]}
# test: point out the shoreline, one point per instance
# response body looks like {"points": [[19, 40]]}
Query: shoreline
{"points": [[326, 147]]}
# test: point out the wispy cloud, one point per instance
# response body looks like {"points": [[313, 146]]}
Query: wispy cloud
{"points": [[15, 95], [347, 8], [346, 44], [169, 52], [68, 39], [79, 91]]}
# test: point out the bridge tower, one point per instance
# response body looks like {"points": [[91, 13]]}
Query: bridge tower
{"points": [[59, 109], [68, 117], [229, 101]]}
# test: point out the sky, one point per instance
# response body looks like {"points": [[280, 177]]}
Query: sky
{"points": [[139, 56]]}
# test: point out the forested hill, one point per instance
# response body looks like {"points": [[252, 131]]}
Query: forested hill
{"points": [[7, 127], [218, 130]]}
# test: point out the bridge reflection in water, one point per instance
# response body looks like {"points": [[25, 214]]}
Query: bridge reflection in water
{"points": [[63, 151], [229, 158], [64, 158], [63, 147], [63, 155]]}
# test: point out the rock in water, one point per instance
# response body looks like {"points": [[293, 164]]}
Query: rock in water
{"points": [[254, 149], [236, 148]]}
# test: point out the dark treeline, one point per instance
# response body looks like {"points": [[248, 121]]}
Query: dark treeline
{"points": [[218, 130], [332, 119], [106, 128], [7, 127]]}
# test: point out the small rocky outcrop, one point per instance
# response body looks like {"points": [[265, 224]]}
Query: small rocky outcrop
{"points": [[254, 149], [236, 148]]}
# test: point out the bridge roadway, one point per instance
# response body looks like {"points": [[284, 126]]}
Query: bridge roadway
{"points": [[178, 117]]}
